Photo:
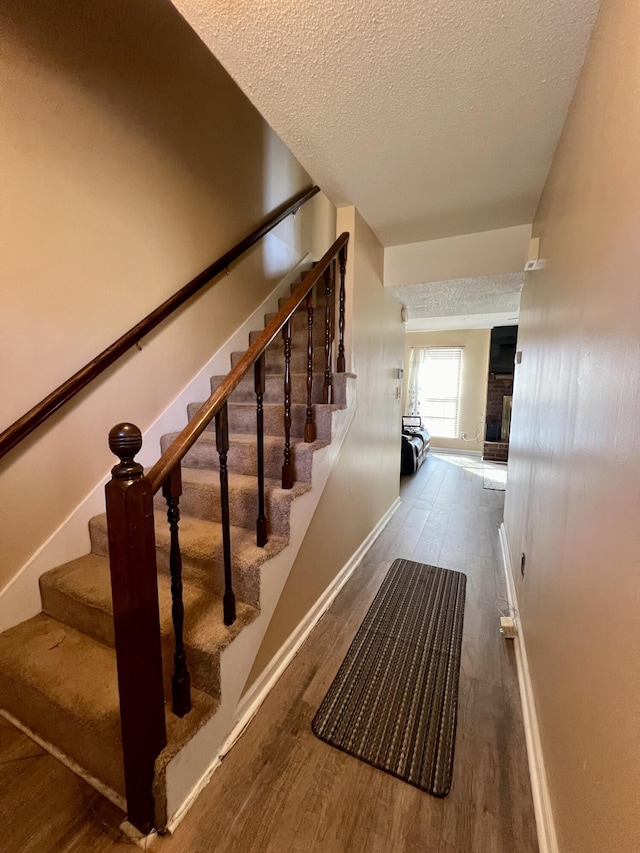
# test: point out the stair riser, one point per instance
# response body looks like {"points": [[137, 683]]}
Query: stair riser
{"points": [[274, 389], [205, 569], [319, 288], [65, 728], [202, 500], [242, 419], [242, 458], [92, 621], [203, 668], [208, 573], [299, 336], [320, 302], [300, 321], [274, 360]]}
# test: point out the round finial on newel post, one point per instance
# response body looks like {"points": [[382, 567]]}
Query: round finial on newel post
{"points": [[125, 440]]}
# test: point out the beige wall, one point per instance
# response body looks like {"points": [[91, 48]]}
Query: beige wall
{"points": [[573, 499], [365, 480], [130, 161], [473, 391], [503, 250]]}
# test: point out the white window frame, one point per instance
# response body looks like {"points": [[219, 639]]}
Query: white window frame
{"points": [[431, 356]]}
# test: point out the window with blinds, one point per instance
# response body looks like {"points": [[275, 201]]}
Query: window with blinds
{"points": [[439, 390]]}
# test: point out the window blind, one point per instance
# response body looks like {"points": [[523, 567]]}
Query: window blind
{"points": [[439, 390]]}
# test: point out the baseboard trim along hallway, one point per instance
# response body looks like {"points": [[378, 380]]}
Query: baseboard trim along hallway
{"points": [[545, 825], [256, 695], [456, 451]]}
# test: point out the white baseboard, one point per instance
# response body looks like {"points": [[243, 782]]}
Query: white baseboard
{"points": [[256, 695], [458, 451], [547, 840], [259, 691], [134, 838], [177, 818]]}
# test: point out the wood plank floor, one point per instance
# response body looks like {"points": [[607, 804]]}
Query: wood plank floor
{"points": [[281, 789]]}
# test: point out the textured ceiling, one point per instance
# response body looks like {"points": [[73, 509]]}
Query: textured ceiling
{"points": [[433, 117], [481, 295], [484, 296]]}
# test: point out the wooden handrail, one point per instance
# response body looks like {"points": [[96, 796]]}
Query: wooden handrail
{"points": [[181, 445], [37, 415]]}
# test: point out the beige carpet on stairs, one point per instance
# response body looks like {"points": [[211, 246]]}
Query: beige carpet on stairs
{"points": [[58, 670]]}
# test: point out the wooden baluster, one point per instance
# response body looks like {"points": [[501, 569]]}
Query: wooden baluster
{"points": [[310, 427], [328, 335], [341, 361], [180, 680], [222, 444], [136, 617], [287, 468], [261, 523]]}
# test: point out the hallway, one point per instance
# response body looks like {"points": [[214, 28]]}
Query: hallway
{"points": [[280, 789]]}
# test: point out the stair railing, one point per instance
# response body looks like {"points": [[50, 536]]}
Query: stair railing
{"points": [[131, 531], [37, 415]]}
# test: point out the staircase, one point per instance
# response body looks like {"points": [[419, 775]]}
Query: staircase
{"points": [[58, 678]]}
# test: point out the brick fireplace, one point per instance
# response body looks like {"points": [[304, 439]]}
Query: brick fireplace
{"points": [[496, 445]]}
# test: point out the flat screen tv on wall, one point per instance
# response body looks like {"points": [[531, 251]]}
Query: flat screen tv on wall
{"points": [[503, 349]]}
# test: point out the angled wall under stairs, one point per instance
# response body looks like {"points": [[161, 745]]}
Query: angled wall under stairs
{"points": [[58, 670]]}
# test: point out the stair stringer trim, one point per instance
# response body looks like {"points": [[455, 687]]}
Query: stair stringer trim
{"points": [[189, 771], [258, 692], [20, 598]]}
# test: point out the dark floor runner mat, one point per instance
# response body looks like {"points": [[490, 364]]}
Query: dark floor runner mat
{"points": [[394, 700]]}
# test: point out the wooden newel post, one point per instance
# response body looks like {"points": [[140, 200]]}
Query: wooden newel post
{"points": [[134, 586]]}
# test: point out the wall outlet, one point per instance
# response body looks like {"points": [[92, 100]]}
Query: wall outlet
{"points": [[507, 627], [523, 560]]}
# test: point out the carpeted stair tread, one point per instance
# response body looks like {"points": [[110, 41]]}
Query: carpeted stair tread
{"points": [[62, 685], [299, 334], [242, 418], [299, 322], [274, 359], [85, 583], [274, 388], [79, 594], [201, 546], [242, 456], [201, 498], [320, 302]]}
